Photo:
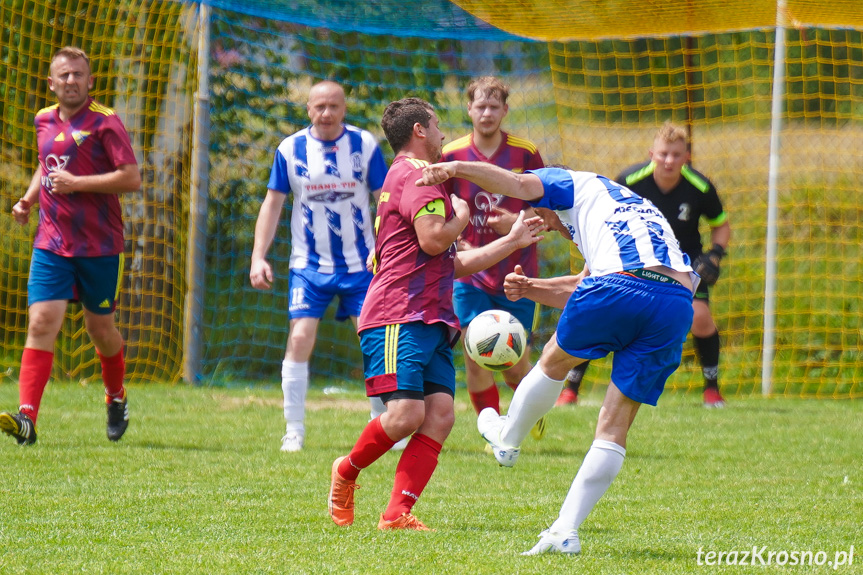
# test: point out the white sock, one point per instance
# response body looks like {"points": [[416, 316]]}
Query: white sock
{"points": [[295, 384], [599, 468], [533, 398], [378, 407]]}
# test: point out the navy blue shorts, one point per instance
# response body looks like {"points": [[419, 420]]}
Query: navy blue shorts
{"points": [[470, 301], [643, 322], [311, 292], [94, 281], [410, 357]]}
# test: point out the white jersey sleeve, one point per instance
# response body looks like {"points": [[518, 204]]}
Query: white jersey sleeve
{"points": [[331, 181], [614, 228]]}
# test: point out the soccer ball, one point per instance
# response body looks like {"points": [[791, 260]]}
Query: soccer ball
{"points": [[495, 340]]}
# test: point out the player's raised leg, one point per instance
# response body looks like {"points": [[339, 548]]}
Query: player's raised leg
{"points": [[513, 378], [533, 398]]}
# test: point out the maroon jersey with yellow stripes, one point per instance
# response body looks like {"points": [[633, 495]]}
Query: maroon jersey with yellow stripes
{"points": [[514, 154], [93, 141], [409, 285]]}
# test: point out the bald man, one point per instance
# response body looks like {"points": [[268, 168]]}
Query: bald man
{"points": [[332, 169]]}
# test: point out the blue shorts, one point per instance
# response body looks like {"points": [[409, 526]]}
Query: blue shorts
{"points": [[94, 281], [643, 322], [470, 301], [311, 292], [412, 357]]}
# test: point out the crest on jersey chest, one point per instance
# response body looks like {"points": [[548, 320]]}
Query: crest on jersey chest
{"points": [[486, 202], [79, 136]]}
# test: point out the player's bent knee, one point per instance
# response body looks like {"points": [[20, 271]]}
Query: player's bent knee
{"points": [[443, 422], [438, 428], [556, 364], [405, 415]]}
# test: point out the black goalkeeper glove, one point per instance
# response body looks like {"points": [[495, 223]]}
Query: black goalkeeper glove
{"points": [[707, 264]]}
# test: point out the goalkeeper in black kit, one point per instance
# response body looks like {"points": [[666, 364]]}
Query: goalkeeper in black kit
{"points": [[684, 196]]}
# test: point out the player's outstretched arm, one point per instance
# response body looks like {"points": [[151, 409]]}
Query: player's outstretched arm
{"points": [[524, 232], [553, 292], [489, 177]]}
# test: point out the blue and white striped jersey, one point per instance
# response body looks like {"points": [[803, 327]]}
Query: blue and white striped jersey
{"points": [[614, 228], [331, 226]]}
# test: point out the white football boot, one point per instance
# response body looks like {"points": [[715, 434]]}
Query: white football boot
{"points": [[556, 543], [293, 441], [490, 424]]}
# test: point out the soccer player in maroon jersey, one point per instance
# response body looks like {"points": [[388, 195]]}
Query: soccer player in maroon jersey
{"points": [[86, 160], [407, 325], [491, 216]]}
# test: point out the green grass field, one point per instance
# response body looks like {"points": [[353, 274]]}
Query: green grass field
{"points": [[198, 485]]}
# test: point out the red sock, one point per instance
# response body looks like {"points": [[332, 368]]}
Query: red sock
{"points": [[35, 371], [413, 473], [513, 385], [373, 443], [485, 398], [113, 373]]}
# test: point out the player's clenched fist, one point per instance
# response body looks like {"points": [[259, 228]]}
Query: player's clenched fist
{"points": [[516, 284], [63, 182], [21, 211], [460, 207], [437, 174]]}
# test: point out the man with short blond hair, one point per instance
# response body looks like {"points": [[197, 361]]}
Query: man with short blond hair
{"points": [[685, 196], [671, 133]]}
